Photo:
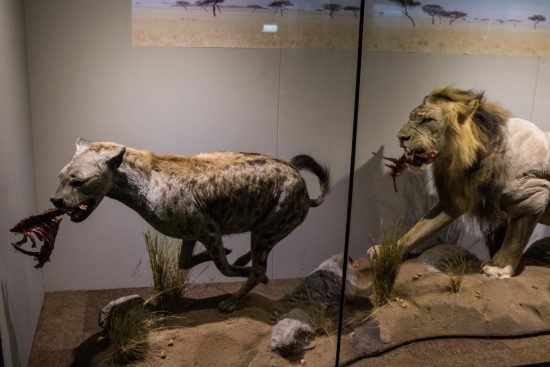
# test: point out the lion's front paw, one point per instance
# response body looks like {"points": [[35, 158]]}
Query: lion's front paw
{"points": [[372, 251], [497, 272]]}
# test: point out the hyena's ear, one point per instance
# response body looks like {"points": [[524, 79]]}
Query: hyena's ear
{"points": [[81, 145], [116, 160]]}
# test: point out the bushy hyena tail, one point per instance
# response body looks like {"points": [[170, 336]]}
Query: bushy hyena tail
{"points": [[305, 162]]}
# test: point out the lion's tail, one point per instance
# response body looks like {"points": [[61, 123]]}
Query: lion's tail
{"points": [[305, 162]]}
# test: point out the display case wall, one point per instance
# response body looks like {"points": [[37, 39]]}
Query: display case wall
{"points": [[21, 289], [87, 80]]}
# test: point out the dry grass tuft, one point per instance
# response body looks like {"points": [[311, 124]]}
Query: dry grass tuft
{"points": [[129, 332], [128, 336], [455, 271], [169, 281], [387, 261], [322, 323]]}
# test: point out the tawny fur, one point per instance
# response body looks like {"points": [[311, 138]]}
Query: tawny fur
{"points": [[486, 169]]}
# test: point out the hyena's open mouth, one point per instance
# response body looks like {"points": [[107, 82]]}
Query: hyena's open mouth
{"points": [[419, 157], [81, 211]]}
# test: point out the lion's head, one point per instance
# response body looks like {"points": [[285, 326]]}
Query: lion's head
{"points": [[451, 124], [463, 134]]}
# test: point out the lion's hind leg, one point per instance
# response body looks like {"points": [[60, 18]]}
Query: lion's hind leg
{"points": [[525, 207]]}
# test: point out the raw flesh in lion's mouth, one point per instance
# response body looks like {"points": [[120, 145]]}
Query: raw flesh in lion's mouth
{"points": [[44, 227], [399, 165]]}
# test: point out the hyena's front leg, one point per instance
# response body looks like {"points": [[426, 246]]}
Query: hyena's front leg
{"points": [[188, 259], [436, 219]]}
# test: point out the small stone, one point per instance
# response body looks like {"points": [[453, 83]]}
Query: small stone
{"points": [[477, 293], [534, 286], [292, 333], [119, 305], [170, 343], [417, 276], [163, 354], [303, 362]]}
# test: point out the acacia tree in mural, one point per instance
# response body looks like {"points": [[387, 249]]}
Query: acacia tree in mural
{"points": [[354, 9], [433, 11], [405, 5], [280, 5], [182, 4], [255, 7], [536, 19], [332, 8], [514, 21], [215, 4], [454, 15]]}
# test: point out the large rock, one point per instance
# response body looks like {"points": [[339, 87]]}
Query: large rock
{"points": [[119, 305], [539, 252], [323, 285], [292, 333], [426, 308], [439, 257]]}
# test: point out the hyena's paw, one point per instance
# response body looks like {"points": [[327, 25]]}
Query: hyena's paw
{"points": [[498, 272], [372, 251], [228, 305]]}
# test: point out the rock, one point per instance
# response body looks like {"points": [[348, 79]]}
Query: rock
{"points": [[163, 354], [323, 285], [439, 257], [121, 304], [170, 343], [292, 333], [539, 251]]}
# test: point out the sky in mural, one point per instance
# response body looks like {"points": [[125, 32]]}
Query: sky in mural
{"points": [[504, 9]]}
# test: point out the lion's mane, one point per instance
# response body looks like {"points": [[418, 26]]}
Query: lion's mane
{"points": [[470, 174]]}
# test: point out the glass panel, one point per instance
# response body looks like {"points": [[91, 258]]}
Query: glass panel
{"points": [[278, 86], [457, 95]]}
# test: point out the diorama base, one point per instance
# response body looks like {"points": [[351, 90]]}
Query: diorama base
{"points": [[425, 308], [406, 331]]}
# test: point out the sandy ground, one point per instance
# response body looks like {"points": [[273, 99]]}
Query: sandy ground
{"points": [[67, 335], [394, 34], [243, 28], [427, 309]]}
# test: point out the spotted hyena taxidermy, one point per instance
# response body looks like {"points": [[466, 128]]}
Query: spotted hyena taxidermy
{"points": [[490, 166], [198, 198]]}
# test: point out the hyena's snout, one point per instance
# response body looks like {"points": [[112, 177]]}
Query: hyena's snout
{"points": [[57, 201]]}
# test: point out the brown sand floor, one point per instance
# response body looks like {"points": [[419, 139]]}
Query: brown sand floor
{"points": [[69, 319]]}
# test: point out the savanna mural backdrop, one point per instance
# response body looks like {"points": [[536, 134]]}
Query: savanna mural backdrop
{"points": [[495, 27]]}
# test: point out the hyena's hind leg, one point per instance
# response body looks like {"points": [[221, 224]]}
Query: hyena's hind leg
{"points": [[214, 245], [261, 246], [244, 259], [188, 259]]}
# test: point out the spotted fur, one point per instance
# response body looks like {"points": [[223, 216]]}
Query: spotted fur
{"points": [[199, 198]]}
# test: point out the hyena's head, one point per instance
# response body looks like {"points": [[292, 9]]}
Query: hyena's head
{"points": [[87, 178]]}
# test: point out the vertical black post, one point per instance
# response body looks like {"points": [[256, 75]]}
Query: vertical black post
{"points": [[351, 178]]}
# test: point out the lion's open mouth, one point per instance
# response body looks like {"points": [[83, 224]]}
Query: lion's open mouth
{"points": [[419, 157], [81, 211]]}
